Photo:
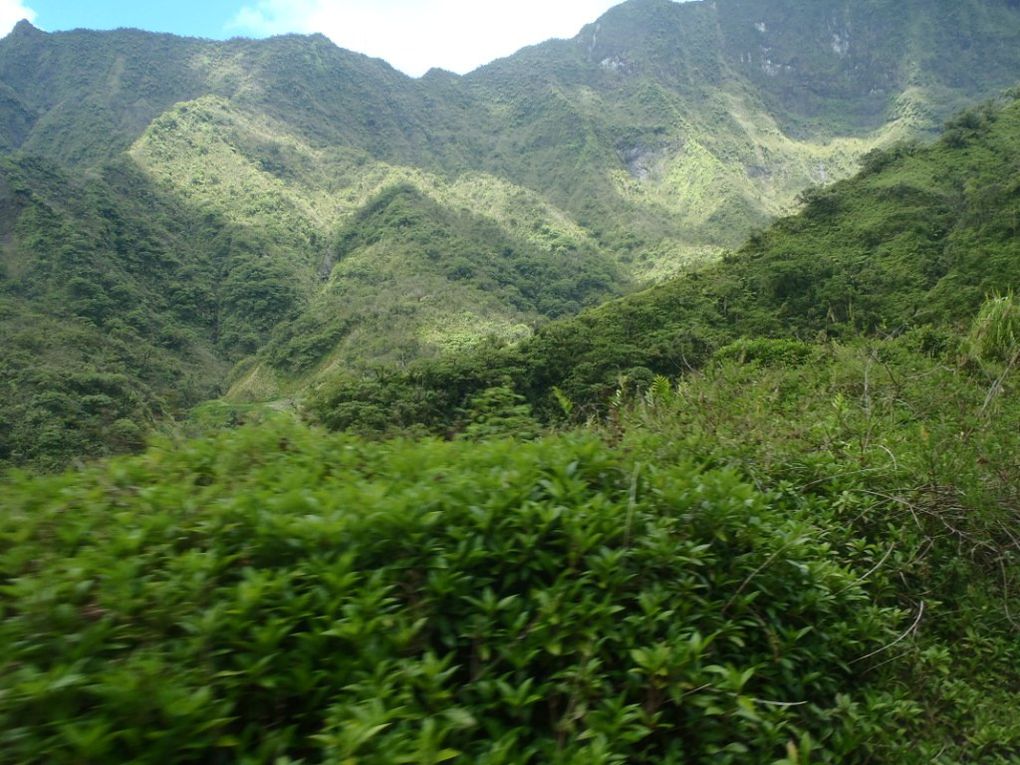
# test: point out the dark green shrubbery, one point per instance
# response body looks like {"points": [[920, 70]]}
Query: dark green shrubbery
{"points": [[275, 593], [905, 450], [767, 351], [765, 563]]}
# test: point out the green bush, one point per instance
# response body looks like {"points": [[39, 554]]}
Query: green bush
{"points": [[766, 351], [885, 445], [995, 333], [275, 594]]}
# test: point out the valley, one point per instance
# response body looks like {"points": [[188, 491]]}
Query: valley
{"points": [[659, 137], [650, 396]]}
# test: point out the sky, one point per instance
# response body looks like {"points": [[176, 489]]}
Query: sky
{"points": [[413, 35]]}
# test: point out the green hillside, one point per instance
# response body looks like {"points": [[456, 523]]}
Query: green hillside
{"points": [[721, 113], [765, 512], [912, 245], [441, 270], [666, 130], [534, 187], [108, 320], [809, 557]]}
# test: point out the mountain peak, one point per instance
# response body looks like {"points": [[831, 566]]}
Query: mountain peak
{"points": [[628, 8], [24, 27]]}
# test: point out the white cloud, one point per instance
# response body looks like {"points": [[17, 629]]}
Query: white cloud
{"points": [[11, 12], [414, 35]]}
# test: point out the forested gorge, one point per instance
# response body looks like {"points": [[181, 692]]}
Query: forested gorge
{"points": [[910, 247], [185, 220], [646, 397]]}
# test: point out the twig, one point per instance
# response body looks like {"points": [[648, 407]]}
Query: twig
{"points": [[899, 500], [887, 450], [890, 660], [873, 569], [631, 503], [904, 636], [997, 385], [1016, 542], [779, 703], [1005, 595], [823, 479], [762, 567], [929, 543]]}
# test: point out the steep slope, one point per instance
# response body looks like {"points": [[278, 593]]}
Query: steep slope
{"points": [[534, 187], [89, 95], [118, 308], [123, 304], [450, 280], [666, 129], [719, 114], [303, 204], [913, 244], [111, 286], [656, 161]]}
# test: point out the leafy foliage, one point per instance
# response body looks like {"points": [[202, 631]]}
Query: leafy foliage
{"points": [[905, 450], [277, 593], [764, 563], [499, 412]]}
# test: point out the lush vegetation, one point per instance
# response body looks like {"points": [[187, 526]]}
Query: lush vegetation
{"points": [[118, 309], [805, 551], [105, 316], [308, 210], [450, 279], [766, 513], [801, 554], [913, 244]]}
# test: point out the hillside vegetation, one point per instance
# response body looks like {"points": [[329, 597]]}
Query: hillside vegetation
{"points": [[764, 513], [911, 246], [797, 557], [108, 320], [534, 187]]}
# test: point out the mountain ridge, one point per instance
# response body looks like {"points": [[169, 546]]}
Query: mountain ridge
{"points": [[645, 146], [765, 510], [911, 247]]}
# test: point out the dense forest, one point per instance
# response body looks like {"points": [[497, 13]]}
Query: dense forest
{"points": [[576, 418]]}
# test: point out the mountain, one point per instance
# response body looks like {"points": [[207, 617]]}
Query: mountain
{"points": [[911, 246], [108, 319], [331, 213], [710, 110], [765, 511], [721, 112]]}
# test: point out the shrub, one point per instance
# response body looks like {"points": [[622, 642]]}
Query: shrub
{"points": [[275, 594], [995, 333]]}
